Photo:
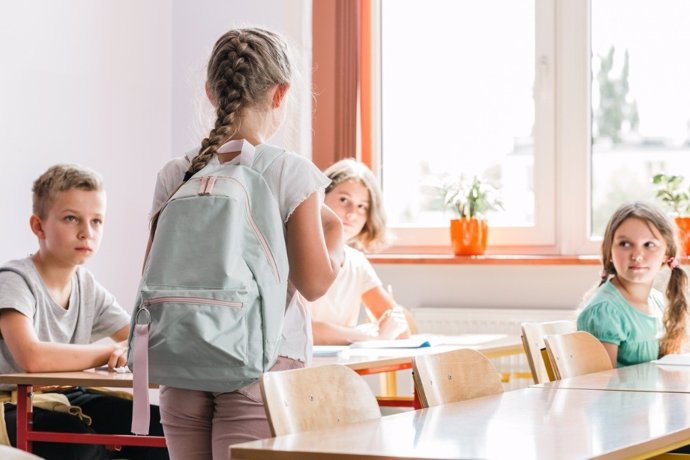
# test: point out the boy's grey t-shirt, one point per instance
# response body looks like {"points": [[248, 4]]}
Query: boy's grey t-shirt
{"points": [[93, 312]]}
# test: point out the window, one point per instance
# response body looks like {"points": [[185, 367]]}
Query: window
{"points": [[519, 92], [468, 95], [640, 99]]}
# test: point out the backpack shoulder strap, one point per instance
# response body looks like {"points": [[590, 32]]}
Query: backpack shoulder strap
{"points": [[264, 156], [258, 158]]}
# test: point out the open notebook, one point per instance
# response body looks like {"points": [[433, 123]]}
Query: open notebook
{"points": [[334, 350], [416, 341], [328, 350], [412, 342]]}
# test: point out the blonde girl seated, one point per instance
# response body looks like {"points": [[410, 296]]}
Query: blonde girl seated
{"points": [[355, 197], [634, 321]]}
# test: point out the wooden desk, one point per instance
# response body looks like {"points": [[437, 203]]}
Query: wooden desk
{"points": [[363, 361], [526, 423], [90, 378], [378, 360], [640, 377]]}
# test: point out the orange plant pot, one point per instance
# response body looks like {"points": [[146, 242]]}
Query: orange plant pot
{"points": [[468, 236], [683, 224]]}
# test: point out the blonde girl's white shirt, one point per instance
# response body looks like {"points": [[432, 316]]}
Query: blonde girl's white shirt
{"points": [[292, 179], [342, 302]]}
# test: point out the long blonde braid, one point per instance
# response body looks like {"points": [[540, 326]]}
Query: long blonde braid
{"points": [[244, 66]]}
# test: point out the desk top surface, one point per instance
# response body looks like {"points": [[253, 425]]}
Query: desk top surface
{"points": [[492, 345], [91, 377], [640, 377], [357, 359], [527, 423]]}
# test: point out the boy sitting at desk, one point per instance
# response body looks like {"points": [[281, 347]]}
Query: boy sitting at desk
{"points": [[51, 312]]}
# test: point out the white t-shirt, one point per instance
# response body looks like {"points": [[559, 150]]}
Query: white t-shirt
{"points": [[342, 303], [292, 178]]}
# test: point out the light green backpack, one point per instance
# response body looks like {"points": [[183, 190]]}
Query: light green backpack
{"points": [[211, 301]]}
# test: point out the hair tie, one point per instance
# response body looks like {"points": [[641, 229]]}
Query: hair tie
{"points": [[672, 262], [604, 273]]}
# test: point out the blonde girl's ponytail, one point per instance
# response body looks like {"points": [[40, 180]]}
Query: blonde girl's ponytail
{"points": [[676, 314]]}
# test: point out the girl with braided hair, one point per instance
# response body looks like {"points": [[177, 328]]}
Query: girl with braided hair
{"points": [[248, 78], [632, 319]]}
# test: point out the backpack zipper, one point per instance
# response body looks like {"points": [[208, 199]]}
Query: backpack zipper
{"points": [[202, 300]]}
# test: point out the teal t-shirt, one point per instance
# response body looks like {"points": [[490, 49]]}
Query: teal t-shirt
{"points": [[610, 318]]}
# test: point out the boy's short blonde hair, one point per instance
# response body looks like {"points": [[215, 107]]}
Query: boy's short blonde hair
{"points": [[61, 178]]}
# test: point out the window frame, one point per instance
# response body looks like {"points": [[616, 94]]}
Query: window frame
{"points": [[562, 140]]}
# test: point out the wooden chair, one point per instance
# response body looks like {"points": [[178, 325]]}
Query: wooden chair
{"points": [[314, 398], [533, 342], [576, 353], [454, 376]]}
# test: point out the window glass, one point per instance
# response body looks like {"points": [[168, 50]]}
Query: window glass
{"points": [[640, 99], [457, 84]]}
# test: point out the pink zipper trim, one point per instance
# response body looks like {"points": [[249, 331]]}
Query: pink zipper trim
{"points": [[206, 185], [222, 303]]}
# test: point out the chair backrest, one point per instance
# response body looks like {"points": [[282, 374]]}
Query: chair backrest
{"points": [[533, 342], [11, 453], [576, 353], [452, 376], [314, 398]]}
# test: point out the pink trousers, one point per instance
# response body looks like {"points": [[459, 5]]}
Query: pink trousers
{"points": [[201, 425]]}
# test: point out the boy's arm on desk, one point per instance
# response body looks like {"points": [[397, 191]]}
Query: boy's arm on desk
{"points": [[34, 355]]}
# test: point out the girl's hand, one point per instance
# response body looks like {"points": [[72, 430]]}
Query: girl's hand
{"points": [[118, 357], [392, 324]]}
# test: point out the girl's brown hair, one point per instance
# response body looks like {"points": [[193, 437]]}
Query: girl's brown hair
{"points": [[675, 316], [374, 235], [244, 66]]}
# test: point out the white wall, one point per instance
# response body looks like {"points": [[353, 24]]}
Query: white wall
{"points": [[86, 82], [197, 26], [117, 86], [114, 85], [490, 286]]}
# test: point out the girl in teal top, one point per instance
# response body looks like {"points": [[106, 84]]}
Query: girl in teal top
{"points": [[634, 321]]}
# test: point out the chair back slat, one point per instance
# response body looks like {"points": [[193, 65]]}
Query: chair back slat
{"points": [[576, 353], [317, 397], [452, 376], [533, 343]]}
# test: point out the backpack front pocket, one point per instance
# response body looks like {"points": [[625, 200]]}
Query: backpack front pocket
{"points": [[204, 327]]}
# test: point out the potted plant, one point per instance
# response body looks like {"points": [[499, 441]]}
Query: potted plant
{"points": [[469, 202], [671, 191]]}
